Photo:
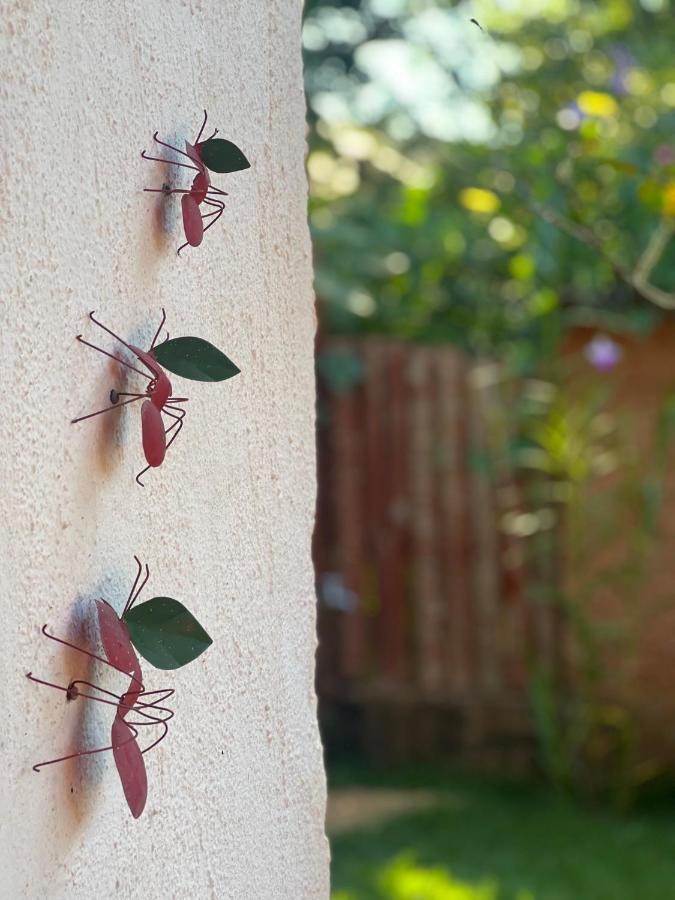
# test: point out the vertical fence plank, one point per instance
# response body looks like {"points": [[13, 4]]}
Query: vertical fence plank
{"points": [[383, 464], [429, 612], [394, 529], [350, 533], [441, 626], [453, 491], [486, 542]]}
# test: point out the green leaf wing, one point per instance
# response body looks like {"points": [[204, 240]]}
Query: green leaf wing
{"points": [[165, 633], [192, 357], [219, 155]]}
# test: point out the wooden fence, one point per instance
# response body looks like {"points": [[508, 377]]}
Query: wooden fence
{"points": [[425, 633]]}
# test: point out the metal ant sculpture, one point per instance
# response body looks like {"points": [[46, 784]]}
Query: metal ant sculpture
{"points": [[157, 399], [189, 357], [130, 712], [166, 634], [214, 154]]}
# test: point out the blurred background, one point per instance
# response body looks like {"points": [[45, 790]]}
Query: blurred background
{"points": [[492, 208]]}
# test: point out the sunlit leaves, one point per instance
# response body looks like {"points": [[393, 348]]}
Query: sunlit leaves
{"points": [[405, 879], [522, 267], [669, 200], [596, 103], [479, 200], [581, 127]]}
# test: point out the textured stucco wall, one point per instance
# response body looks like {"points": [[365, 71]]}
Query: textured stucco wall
{"points": [[236, 791]]}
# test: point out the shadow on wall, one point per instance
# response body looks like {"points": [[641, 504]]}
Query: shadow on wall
{"points": [[79, 724]]}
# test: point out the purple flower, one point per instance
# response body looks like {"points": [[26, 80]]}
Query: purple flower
{"points": [[603, 353], [664, 155], [625, 61]]}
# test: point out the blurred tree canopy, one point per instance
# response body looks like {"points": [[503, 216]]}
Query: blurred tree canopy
{"points": [[490, 184]]}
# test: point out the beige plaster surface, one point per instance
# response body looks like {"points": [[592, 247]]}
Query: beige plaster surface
{"points": [[236, 791]]}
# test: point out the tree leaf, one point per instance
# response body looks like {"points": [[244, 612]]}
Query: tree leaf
{"points": [[192, 357], [165, 633], [222, 156], [621, 165]]}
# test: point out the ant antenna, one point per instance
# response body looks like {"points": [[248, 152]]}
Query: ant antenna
{"points": [[161, 325]]}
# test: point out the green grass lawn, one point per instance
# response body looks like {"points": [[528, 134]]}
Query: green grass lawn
{"points": [[484, 839]]}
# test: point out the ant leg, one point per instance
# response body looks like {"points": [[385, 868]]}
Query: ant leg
{"points": [[159, 739], [140, 707], [218, 213], [142, 472], [177, 412], [107, 409], [165, 694], [57, 687], [53, 637], [135, 707], [121, 341], [168, 191], [178, 425], [175, 150], [50, 762], [218, 205], [161, 325], [111, 333], [153, 720], [118, 359], [170, 162], [162, 722]]}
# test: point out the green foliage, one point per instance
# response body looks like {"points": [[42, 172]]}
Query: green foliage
{"points": [[447, 163], [493, 188], [586, 521], [520, 841], [405, 879]]}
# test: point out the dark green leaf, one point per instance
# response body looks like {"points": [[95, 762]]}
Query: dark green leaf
{"points": [[192, 357], [222, 156], [165, 633]]}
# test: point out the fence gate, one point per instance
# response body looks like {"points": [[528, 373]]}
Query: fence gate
{"points": [[425, 633]]}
